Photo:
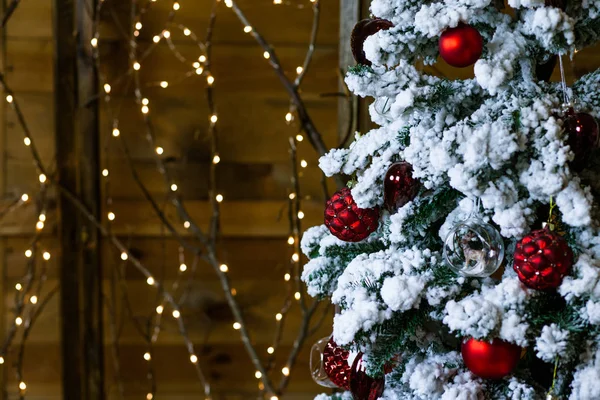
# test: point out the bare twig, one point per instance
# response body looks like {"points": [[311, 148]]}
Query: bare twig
{"points": [[9, 12]]}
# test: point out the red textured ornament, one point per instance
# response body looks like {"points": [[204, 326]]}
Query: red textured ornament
{"points": [[492, 360], [362, 386], [583, 134], [362, 30], [461, 46], [542, 259], [399, 186], [335, 363], [348, 222]]}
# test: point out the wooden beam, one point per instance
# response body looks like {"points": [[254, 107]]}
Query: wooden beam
{"points": [[76, 123], [3, 192]]}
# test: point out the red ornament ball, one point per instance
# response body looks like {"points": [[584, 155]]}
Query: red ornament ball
{"points": [[399, 186], [348, 222], [335, 363], [461, 46], [542, 259], [362, 30], [583, 134], [362, 386], [492, 360]]}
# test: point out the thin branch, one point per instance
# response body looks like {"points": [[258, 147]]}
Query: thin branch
{"points": [[9, 12]]}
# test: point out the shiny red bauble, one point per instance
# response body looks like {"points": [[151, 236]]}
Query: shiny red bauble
{"points": [[399, 186], [542, 259], [335, 363], [362, 30], [348, 222], [582, 137], [461, 46], [362, 386], [492, 360]]}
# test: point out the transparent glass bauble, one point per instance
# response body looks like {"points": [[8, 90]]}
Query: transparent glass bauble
{"points": [[382, 106], [317, 370], [474, 248]]}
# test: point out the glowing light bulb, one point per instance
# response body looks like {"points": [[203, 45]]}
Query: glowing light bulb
{"points": [[28, 253], [150, 396], [219, 198], [233, 291], [138, 25], [159, 150], [300, 215], [160, 309], [202, 58], [94, 42], [107, 88], [270, 350], [124, 256], [299, 137], [1, 360], [285, 371], [150, 281], [183, 267], [18, 321], [258, 375], [164, 84], [297, 295], [176, 6], [187, 32], [289, 117], [292, 196], [224, 268], [186, 224], [18, 286], [42, 178], [39, 225], [237, 326], [22, 386], [210, 79], [111, 216], [145, 110], [299, 70], [287, 277], [166, 34], [27, 141], [295, 257], [42, 217], [291, 240], [266, 55], [147, 356], [216, 159], [105, 172], [278, 316], [174, 187], [194, 358], [9, 98], [156, 39], [33, 300], [247, 29], [46, 256], [116, 132], [24, 197], [136, 66], [176, 314], [229, 3], [303, 164]]}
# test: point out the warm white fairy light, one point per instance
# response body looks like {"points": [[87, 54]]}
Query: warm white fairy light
{"points": [[27, 141], [111, 216], [145, 101], [186, 224], [138, 25], [160, 309], [287, 277], [303, 164], [159, 150], [18, 321], [176, 6], [277, 1], [147, 356], [300, 215], [107, 88], [33, 300], [270, 350], [297, 295], [39, 225], [202, 58], [237, 326], [94, 42], [229, 3], [196, 64], [219, 198], [183, 267], [247, 29], [266, 55], [150, 281], [46, 256], [224, 268], [289, 117], [42, 217], [173, 187], [285, 371], [164, 84], [291, 240], [105, 172], [210, 79], [124, 256], [299, 70], [258, 375], [18, 286], [9, 98], [214, 118], [292, 196], [145, 110], [150, 396], [187, 32], [22, 386], [278, 316], [116, 132], [295, 257], [156, 39], [216, 159], [136, 66], [42, 178], [28, 253], [24, 197], [166, 34], [176, 314], [193, 358], [233, 291], [136, 33], [299, 137]]}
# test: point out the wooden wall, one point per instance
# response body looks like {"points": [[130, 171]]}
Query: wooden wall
{"points": [[253, 176]]}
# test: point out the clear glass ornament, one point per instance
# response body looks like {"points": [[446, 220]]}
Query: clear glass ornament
{"points": [[382, 106], [317, 370], [474, 248]]}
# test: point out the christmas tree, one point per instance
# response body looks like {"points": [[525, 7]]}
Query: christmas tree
{"points": [[465, 256]]}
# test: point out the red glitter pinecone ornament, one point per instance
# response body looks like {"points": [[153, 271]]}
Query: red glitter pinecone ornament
{"points": [[335, 363], [348, 222], [542, 259]]}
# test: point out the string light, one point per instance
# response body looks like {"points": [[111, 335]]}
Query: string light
{"points": [[42, 217], [18, 321], [145, 101], [285, 371], [24, 197], [266, 55], [299, 137], [214, 118], [105, 172], [287, 277], [299, 70], [150, 396], [270, 350], [199, 70], [33, 300], [216, 159], [174, 187], [107, 88], [210, 80], [258, 375], [160, 309], [138, 25], [116, 132], [292, 196], [187, 32], [303, 164], [18, 286], [42, 178], [291, 240], [166, 34], [39, 225], [289, 117], [1, 360], [219, 198], [22, 386], [159, 150], [27, 141], [94, 42], [9, 98], [295, 257], [150, 281], [277, 1], [145, 110], [233, 291], [183, 267], [194, 358], [202, 58], [224, 268], [229, 3], [176, 6], [28, 253], [186, 224], [275, 397], [237, 326], [136, 66], [147, 356], [300, 215], [164, 84], [111, 216], [46, 256], [297, 295], [247, 29], [156, 39], [278, 316], [176, 314], [124, 256]]}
